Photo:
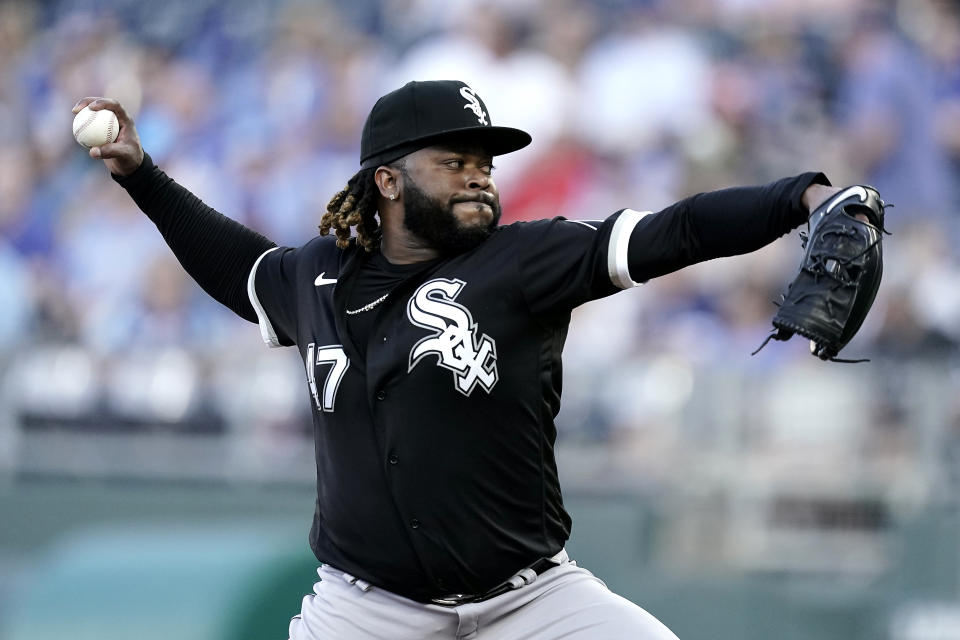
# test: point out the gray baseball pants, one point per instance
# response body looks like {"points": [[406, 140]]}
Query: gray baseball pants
{"points": [[565, 602]]}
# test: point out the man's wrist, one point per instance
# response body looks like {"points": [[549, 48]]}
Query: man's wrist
{"points": [[137, 175], [816, 194]]}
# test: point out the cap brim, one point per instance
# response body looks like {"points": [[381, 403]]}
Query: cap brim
{"points": [[495, 140]]}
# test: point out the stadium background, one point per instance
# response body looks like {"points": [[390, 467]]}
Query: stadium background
{"points": [[155, 464]]}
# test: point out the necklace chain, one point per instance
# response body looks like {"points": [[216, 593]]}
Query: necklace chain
{"points": [[368, 306]]}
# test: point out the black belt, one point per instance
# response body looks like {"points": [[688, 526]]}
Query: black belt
{"points": [[457, 599]]}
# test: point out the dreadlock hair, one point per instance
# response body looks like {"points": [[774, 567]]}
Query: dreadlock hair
{"points": [[354, 206]]}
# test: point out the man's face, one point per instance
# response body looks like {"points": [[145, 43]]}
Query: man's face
{"points": [[450, 199]]}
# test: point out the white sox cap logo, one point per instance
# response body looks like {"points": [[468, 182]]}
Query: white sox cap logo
{"points": [[454, 339], [473, 103]]}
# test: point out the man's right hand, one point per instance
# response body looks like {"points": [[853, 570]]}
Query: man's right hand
{"points": [[124, 155]]}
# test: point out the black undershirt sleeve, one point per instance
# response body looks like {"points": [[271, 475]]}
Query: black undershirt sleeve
{"points": [[216, 251], [717, 224]]}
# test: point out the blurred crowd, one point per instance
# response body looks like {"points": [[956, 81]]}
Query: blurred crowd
{"points": [[256, 106]]}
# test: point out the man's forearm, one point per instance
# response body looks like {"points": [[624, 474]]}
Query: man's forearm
{"points": [[216, 251], [717, 224]]}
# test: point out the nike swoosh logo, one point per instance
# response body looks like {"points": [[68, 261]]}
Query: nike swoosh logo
{"points": [[320, 281], [846, 193]]}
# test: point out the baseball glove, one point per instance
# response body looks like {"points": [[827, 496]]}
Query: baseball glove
{"points": [[839, 275]]}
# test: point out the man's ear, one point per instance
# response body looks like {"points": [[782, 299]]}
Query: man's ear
{"points": [[387, 179]]}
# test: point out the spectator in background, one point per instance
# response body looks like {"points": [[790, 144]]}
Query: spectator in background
{"points": [[943, 44], [903, 333], [103, 241], [887, 108], [16, 292], [526, 86]]}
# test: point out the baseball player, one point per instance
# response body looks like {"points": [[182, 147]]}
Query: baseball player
{"points": [[431, 340]]}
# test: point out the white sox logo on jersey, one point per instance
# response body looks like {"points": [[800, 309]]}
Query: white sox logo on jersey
{"points": [[454, 341], [473, 103]]}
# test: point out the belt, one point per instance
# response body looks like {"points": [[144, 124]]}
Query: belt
{"points": [[519, 579]]}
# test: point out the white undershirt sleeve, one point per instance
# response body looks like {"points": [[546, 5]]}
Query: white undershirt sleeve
{"points": [[267, 331], [619, 243]]}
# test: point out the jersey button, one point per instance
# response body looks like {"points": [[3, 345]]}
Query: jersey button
{"points": [[381, 395], [415, 523], [393, 459]]}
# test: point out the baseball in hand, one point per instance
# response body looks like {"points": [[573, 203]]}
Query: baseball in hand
{"points": [[95, 128]]}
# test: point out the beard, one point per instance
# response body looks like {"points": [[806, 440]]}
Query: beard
{"points": [[435, 222]]}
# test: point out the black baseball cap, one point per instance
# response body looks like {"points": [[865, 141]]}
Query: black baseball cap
{"points": [[420, 114]]}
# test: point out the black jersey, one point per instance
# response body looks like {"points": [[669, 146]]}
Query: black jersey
{"points": [[435, 463], [434, 449]]}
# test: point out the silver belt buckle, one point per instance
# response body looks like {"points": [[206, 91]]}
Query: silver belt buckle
{"points": [[523, 577], [453, 600]]}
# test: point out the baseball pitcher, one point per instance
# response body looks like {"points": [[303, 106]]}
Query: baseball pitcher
{"points": [[431, 341]]}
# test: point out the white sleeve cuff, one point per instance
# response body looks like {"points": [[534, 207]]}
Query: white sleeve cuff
{"points": [[266, 329], [619, 243]]}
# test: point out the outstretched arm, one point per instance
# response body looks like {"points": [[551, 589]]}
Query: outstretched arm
{"points": [[216, 251], [722, 223]]}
